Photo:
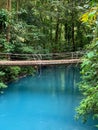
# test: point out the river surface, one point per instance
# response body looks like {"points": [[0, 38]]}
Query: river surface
{"points": [[45, 101]]}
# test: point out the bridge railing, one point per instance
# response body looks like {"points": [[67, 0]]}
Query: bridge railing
{"points": [[50, 56]]}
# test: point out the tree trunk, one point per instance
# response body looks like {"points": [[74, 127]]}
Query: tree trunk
{"points": [[8, 7], [51, 37], [17, 8], [56, 35], [73, 40], [66, 34], [57, 32]]}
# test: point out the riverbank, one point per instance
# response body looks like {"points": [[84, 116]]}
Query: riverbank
{"points": [[9, 74]]}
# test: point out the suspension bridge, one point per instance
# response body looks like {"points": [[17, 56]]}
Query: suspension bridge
{"points": [[10, 59]]}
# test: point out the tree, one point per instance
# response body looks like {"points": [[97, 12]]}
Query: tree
{"points": [[41, 26], [89, 85]]}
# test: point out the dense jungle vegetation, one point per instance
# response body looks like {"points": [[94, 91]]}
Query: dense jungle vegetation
{"points": [[40, 26], [50, 26]]}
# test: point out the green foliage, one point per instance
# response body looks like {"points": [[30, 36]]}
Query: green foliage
{"points": [[4, 19], [11, 73], [40, 26], [14, 72], [44, 26], [27, 70], [89, 85], [2, 75], [50, 24], [5, 46], [89, 105], [2, 85]]}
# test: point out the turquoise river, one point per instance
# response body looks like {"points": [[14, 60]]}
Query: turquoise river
{"points": [[45, 101]]}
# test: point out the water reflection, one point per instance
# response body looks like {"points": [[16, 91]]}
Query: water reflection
{"points": [[44, 102], [52, 80]]}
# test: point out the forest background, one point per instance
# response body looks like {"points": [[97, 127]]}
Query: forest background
{"points": [[52, 26]]}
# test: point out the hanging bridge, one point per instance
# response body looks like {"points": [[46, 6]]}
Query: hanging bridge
{"points": [[10, 59]]}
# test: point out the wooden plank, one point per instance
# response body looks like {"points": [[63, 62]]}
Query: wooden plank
{"points": [[38, 62]]}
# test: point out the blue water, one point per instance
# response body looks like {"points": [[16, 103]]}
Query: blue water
{"points": [[45, 101]]}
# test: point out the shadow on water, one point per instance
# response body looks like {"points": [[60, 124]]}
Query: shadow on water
{"points": [[43, 102]]}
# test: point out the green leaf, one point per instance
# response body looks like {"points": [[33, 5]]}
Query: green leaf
{"points": [[92, 14], [90, 54], [2, 85]]}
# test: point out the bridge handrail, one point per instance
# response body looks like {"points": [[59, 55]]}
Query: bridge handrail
{"points": [[71, 55], [76, 52]]}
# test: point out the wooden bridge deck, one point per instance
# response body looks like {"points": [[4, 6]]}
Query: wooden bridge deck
{"points": [[38, 62]]}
